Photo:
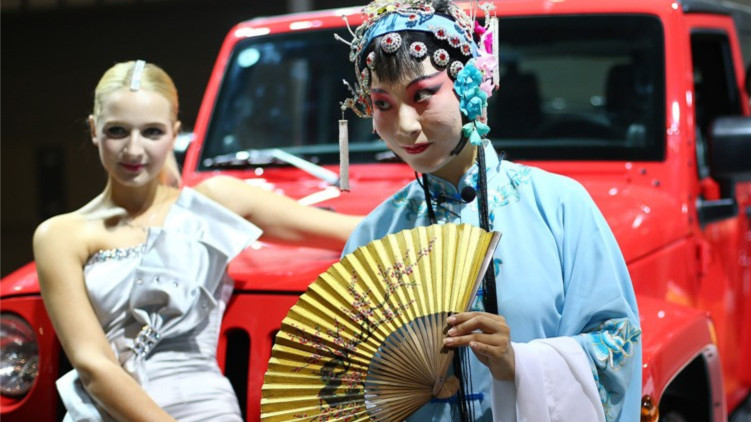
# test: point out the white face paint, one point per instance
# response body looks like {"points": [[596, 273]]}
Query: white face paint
{"points": [[421, 122]]}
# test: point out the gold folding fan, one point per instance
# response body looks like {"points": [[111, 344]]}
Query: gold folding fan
{"points": [[365, 341]]}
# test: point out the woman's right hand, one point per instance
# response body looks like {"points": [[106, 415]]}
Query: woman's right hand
{"points": [[489, 337]]}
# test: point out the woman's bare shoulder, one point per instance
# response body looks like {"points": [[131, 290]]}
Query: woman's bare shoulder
{"points": [[61, 239], [73, 233], [69, 224]]}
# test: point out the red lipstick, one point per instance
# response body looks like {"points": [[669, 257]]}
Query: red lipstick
{"points": [[132, 167], [417, 148]]}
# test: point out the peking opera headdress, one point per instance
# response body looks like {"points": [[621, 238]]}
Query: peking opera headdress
{"points": [[469, 51]]}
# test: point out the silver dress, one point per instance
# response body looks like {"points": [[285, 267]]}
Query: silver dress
{"points": [[161, 304]]}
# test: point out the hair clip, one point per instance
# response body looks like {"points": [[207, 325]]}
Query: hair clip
{"points": [[135, 79], [441, 58], [365, 77], [455, 68], [455, 41], [370, 60], [391, 42], [418, 50], [440, 33]]}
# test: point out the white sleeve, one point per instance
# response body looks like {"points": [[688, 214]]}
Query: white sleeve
{"points": [[553, 383]]}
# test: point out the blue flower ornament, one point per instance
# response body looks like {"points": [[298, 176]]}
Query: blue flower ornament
{"points": [[473, 99]]}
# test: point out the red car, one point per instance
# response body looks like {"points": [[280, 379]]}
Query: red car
{"points": [[642, 101]]}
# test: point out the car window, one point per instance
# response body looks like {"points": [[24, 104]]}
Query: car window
{"points": [[572, 87]]}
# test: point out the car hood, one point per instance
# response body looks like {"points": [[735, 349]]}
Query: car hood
{"points": [[642, 218]]}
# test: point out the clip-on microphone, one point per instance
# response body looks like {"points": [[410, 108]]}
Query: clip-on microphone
{"points": [[468, 194]]}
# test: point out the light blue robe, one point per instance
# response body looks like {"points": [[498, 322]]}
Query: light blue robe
{"points": [[559, 272]]}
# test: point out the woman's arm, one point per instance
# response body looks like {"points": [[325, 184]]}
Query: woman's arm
{"points": [[60, 253], [282, 219]]}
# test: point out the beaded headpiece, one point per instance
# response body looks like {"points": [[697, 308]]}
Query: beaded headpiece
{"points": [[472, 66], [388, 18]]}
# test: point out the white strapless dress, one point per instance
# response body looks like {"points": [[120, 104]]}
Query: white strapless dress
{"points": [[161, 306]]}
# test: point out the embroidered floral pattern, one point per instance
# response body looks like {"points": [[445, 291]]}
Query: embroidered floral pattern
{"points": [[612, 346], [519, 176], [415, 207], [507, 193], [614, 342], [604, 397]]}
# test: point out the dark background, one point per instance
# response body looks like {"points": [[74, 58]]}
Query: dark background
{"points": [[52, 58]]}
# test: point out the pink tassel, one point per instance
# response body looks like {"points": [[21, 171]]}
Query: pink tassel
{"points": [[493, 28]]}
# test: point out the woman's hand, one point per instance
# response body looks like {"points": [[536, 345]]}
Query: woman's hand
{"points": [[489, 338]]}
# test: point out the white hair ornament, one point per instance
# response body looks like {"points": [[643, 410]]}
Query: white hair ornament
{"points": [[135, 79]]}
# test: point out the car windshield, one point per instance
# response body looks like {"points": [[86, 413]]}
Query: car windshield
{"points": [[572, 87]]}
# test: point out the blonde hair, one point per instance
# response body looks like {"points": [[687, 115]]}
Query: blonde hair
{"points": [[153, 78]]}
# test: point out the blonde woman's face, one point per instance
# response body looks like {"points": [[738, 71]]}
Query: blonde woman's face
{"points": [[135, 134]]}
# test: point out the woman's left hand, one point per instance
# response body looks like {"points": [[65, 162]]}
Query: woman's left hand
{"points": [[489, 338]]}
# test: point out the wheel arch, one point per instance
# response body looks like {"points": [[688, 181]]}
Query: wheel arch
{"points": [[679, 350]]}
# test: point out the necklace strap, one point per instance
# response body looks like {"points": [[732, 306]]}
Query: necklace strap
{"points": [[428, 200], [489, 298]]}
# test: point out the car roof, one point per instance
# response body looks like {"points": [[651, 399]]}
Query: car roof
{"points": [[326, 18], [725, 7]]}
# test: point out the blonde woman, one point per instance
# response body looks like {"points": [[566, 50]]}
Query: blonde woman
{"points": [[135, 281]]}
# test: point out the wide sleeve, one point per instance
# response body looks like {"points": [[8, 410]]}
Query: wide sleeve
{"points": [[553, 383], [598, 331], [600, 309]]}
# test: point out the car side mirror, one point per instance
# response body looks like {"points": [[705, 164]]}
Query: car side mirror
{"points": [[183, 141], [729, 162], [730, 149]]}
